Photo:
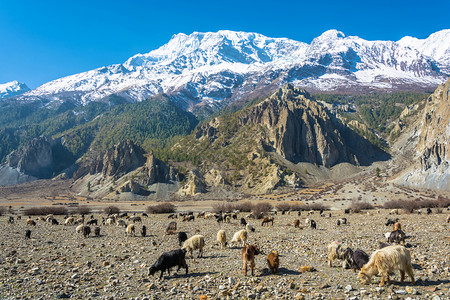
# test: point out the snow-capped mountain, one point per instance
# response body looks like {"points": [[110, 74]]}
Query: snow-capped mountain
{"points": [[208, 68], [12, 88]]}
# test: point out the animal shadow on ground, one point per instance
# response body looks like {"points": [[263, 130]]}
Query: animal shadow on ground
{"points": [[214, 256], [281, 271], [420, 282], [181, 273]]}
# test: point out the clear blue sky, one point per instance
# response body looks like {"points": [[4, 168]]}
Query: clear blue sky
{"points": [[46, 40]]}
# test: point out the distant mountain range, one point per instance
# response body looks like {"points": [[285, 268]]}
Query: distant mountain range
{"points": [[217, 68], [12, 88]]}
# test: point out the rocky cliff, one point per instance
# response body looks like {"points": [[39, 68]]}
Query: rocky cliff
{"points": [[432, 158]]}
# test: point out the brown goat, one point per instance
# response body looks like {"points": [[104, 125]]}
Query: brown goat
{"points": [[248, 256], [397, 226], [273, 261], [297, 223], [267, 220]]}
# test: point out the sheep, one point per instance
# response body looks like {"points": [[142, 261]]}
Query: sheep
{"points": [[121, 223], [313, 224], [385, 261], [171, 228], [249, 227], [273, 261], [28, 234], [193, 243], [97, 231], [240, 236], [79, 228], [168, 260], [297, 223], [359, 259], [243, 222], [267, 220], [130, 230], [31, 222], [397, 236], [222, 238], [397, 226], [182, 236], [338, 251], [248, 256], [143, 231], [86, 231], [394, 212], [391, 221], [227, 219], [69, 221]]}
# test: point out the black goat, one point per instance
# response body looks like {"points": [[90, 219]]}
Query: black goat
{"points": [[234, 216], [86, 231], [391, 221], [144, 215], [92, 222], [97, 231], [429, 211], [144, 231], [243, 222], [171, 228], [347, 211], [397, 236], [219, 218], [182, 236], [55, 222], [313, 224], [168, 260], [359, 258], [11, 220], [172, 216], [28, 234], [299, 213]]}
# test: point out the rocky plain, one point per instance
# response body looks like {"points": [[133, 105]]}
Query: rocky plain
{"points": [[57, 262]]}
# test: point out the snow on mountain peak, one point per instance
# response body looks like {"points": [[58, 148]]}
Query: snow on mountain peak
{"points": [[12, 88], [436, 46]]}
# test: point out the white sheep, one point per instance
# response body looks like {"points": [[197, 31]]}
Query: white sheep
{"points": [[109, 221], [240, 236], [79, 228], [193, 243], [222, 238], [69, 221], [130, 230]]}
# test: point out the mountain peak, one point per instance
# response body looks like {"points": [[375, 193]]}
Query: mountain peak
{"points": [[12, 88], [330, 35]]}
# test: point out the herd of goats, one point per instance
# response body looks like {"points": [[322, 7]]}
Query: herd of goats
{"points": [[390, 256]]}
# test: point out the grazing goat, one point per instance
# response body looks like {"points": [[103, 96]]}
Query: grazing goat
{"points": [[193, 243], [234, 216], [297, 223], [273, 261], [391, 221], [243, 222], [227, 219], [145, 215], [429, 211], [182, 236], [267, 220], [131, 229], [121, 223], [222, 238], [97, 231], [419, 211], [172, 216], [394, 212], [28, 234], [136, 219], [11, 220], [359, 259], [249, 227], [55, 222], [79, 228], [171, 228], [385, 261], [338, 251], [347, 211], [248, 256], [343, 221], [219, 218], [144, 231], [240, 236], [92, 222], [313, 224], [299, 213], [168, 260], [397, 236], [86, 231]]}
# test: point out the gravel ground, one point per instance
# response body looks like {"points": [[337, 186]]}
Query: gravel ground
{"points": [[59, 263]]}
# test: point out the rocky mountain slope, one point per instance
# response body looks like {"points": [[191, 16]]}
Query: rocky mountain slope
{"points": [[210, 69], [431, 136], [13, 88]]}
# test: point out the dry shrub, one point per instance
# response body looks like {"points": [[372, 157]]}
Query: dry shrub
{"points": [[163, 208], [283, 206], [111, 210], [315, 206], [357, 206], [222, 207], [244, 206], [45, 210], [81, 210], [261, 209], [411, 205]]}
